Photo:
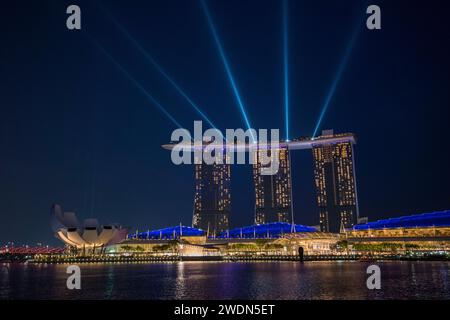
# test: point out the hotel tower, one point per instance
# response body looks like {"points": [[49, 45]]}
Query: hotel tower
{"points": [[273, 192], [334, 176], [212, 199]]}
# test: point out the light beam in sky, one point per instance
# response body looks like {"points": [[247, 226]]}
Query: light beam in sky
{"points": [[227, 68], [158, 67], [337, 78], [286, 66], [136, 83]]}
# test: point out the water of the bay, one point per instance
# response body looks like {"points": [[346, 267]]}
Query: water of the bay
{"points": [[232, 280]]}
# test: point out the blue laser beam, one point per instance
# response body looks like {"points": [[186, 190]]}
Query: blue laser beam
{"points": [[136, 83], [158, 67], [286, 66], [337, 78], [227, 68]]}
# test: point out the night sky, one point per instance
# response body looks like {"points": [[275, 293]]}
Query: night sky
{"points": [[76, 131]]}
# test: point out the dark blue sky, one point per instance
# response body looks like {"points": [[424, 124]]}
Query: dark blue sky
{"points": [[74, 130]]}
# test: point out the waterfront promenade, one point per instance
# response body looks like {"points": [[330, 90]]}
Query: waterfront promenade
{"points": [[57, 259]]}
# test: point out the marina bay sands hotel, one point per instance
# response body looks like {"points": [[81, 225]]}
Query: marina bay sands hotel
{"points": [[334, 176]]}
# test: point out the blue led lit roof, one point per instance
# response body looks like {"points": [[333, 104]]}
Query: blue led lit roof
{"points": [[267, 230], [433, 219], [168, 233]]}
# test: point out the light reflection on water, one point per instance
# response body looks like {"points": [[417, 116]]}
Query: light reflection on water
{"points": [[218, 280]]}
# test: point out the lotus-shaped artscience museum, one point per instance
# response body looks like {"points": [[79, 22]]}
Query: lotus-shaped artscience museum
{"points": [[89, 235]]}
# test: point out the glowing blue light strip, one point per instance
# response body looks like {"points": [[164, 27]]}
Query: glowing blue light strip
{"points": [[159, 68], [338, 76], [227, 67], [286, 68], [137, 84]]}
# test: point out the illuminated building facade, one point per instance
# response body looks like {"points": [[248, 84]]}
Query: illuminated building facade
{"points": [[212, 199], [334, 175], [86, 236], [273, 192], [430, 224]]}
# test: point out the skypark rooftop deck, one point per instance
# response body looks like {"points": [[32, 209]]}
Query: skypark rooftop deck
{"points": [[295, 144]]}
